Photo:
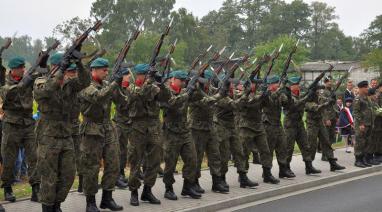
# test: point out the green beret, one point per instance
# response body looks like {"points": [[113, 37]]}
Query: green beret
{"points": [[208, 74], [56, 58], [72, 67], [273, 79], [294, 80], [16, 62], [141, 68], [179, 74], [100, 63]]}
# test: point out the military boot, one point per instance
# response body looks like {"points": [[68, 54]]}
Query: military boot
{"points": [[2, 208], [309, 168], [268, 177], [134, 198], [358, 162], [334, 166], [378, 157], [57, 207], [371, 160], [108, 201], [224, 182], [121, 183], [91, 204], [245, 181], [148, 196], [47, 208], [198, 188], [285, 172], [80, 188], [8, 194], [365, 162], [169, 193], [189, 190], [217, 185], [35, 191]]}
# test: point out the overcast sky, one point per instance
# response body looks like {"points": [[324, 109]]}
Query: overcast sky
{"points": [[37, 18]]}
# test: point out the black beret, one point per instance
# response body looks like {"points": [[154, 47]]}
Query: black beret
{"points": [[363, 84]]}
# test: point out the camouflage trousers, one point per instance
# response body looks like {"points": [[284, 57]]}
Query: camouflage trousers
{"points": [[95, 148], [277, 142], [144, 142], [205, 142], [297, 134], [57, 168], [123, 140], [15, 137], [363, 140], [332, 131], [318, 130], [229, 144], [257, 138], [376, 137], [176, 145], [76, 141]]}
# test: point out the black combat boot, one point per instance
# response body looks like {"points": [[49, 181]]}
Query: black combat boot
{"points": [[57, 207], [147, 195], [35, 191], [217, 185], [365, 161], [169, 193], [309, 168], [108, 201], [8, 194], [134, 198], [358, 162], [91, 204], [268, 177], [284, 172], [80, 188], [198, 188], [121, 183], [371, 160], [290, 170], [245, 181], [2, 208], [378, 157], [47, 208], [189, 190], [334, 166], [224, 182]]}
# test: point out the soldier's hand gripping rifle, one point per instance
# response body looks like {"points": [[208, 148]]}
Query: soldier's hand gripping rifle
{"points": [[314, 86], [158, 46], [284, 74], [231, 74], [116, 73], [74, 51], [199, 58]]}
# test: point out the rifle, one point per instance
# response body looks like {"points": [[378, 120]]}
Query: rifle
{"points": [[157, 48], [275, 55], [168, 58], [122, 54], [42, 55], [314, 85], [287, 62], [340, 81], [73, 50], [199, 58], [97, 54], [224, 63], [5, 46], [231, 73]]}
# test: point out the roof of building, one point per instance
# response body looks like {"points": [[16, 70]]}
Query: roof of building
{"points": [[324, 65]]}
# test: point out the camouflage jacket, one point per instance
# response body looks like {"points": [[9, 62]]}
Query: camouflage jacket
{"points": [[56, 101], [249, 111], [272, 108], [362, 112], [330, 112], [121, 117], [293, 109], [224, 112], [314, 110], [95, 107], [378, 115], [17, 102]]}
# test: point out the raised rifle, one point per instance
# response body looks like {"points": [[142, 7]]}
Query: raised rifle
{"points": [[199, 58], [167, 66], [313, 87], [287, 62], [340, 81], [231, 73], [41, 56]]}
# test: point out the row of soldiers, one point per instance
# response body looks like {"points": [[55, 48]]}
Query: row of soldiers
{"points": [[198, 118]]}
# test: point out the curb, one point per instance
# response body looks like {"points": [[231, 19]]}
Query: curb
{"points": [[281, 190]]}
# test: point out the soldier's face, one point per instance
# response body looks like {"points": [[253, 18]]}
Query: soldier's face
{"points": [[295, 89], [363, 91], [18, 71], [100, 73], [273, 87], [71, 74], [178, 83]]}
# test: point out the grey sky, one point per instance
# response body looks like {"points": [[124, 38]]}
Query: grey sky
{"points": [[38, 17]]}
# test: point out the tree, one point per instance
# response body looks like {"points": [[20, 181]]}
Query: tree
{"points": [[373, 59], [373, 34]]}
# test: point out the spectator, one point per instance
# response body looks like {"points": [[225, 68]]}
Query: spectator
{"points": [[355, 91], [346, 124], [349, 90], [373, 83]]}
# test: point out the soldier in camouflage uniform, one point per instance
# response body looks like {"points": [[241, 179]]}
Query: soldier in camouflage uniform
{"points": [[18, 126], [252, 128], [143, 99], [371, 147], [98, 140], [177, 140], [55, 96], [226, 134], [274, 129], [363, 124], [2, 82], [376, 134], [316, 129], [200, 123], [294, 125]]}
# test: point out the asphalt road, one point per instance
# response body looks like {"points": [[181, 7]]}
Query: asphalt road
{"points": [[363, 195]]}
